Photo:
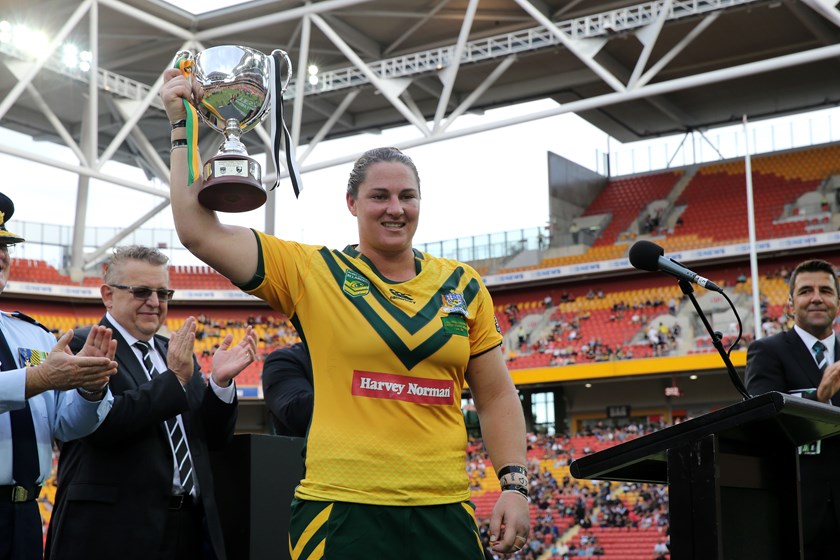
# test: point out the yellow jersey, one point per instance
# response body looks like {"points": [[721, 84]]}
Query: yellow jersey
{"points": [[388, 361]]}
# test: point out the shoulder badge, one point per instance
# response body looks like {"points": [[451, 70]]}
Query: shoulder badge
{"points": [[28, 319]]}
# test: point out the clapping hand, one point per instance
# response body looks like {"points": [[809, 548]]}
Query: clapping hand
{"points": [[829, 384], [99, 344], [62, 371], [181, 353], [229, 361]]}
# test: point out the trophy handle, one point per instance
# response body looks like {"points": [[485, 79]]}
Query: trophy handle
{"points": [[288, 62], [183, 54]]}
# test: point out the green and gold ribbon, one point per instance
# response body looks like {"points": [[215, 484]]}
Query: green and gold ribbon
{"points": [[193, 171]]}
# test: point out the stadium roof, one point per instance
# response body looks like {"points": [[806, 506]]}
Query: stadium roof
{"points": [[636, 70]]}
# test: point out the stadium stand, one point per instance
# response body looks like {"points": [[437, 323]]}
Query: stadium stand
{"points": [[626, 198], [705, 205], [586, 519], [38, 271], [198, 277], [180, 276]]}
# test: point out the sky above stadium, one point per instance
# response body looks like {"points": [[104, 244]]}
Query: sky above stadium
{"points": [[198, 7]]}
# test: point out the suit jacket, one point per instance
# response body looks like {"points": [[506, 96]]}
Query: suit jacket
{"points": [[783, 363], [287, 386], [114, 485]]}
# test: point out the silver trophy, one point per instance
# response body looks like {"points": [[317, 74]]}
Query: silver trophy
{"points": [[236, 89]]}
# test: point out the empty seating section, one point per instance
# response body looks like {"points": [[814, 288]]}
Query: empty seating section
{"points": [[198, 278], [180, 277], [813, 164], [38, 271], [594, 254], [715, 204], [626, 198], [775, 288]]}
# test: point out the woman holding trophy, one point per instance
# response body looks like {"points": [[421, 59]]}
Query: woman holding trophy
{"points": [[393, 334]]}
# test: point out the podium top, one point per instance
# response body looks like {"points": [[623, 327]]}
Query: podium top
{"points": [[770, 420]]}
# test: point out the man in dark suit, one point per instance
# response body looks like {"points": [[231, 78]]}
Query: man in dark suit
{"points": [[140, 486], [804, 361], [287, 388]]}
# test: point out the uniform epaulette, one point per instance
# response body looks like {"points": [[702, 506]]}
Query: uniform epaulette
{"points": [[27, 318]]}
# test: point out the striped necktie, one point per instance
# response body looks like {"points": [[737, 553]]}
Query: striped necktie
{"points": [[819, 355], [173, 428]]}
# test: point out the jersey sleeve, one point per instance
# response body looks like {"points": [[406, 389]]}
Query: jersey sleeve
{"points": [[285, 265], [484, 329]]}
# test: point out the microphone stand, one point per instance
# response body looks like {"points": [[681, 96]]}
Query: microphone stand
{"points": [[688, 290]]}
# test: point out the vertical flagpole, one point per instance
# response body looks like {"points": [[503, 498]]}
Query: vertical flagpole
{"points": [[751, 226]]}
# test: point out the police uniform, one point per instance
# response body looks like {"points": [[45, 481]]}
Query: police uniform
{"points": [[63, 415], [389, 360]]}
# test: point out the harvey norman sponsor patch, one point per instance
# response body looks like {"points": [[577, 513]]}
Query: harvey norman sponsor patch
{"points": [[402, 388]]}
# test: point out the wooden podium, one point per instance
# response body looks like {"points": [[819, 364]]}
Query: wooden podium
{"points": [[732, 475], [255, 479]]}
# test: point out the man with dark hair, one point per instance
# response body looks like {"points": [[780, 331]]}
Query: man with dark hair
{"points": [[140, 487], [287, 388], [46, 393], [803, 361]]}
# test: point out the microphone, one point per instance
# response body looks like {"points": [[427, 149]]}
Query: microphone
{"points": [[646, 255]]}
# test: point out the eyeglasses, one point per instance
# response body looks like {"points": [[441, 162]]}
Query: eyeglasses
{"points": [[10, 249], [144, 293]]}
